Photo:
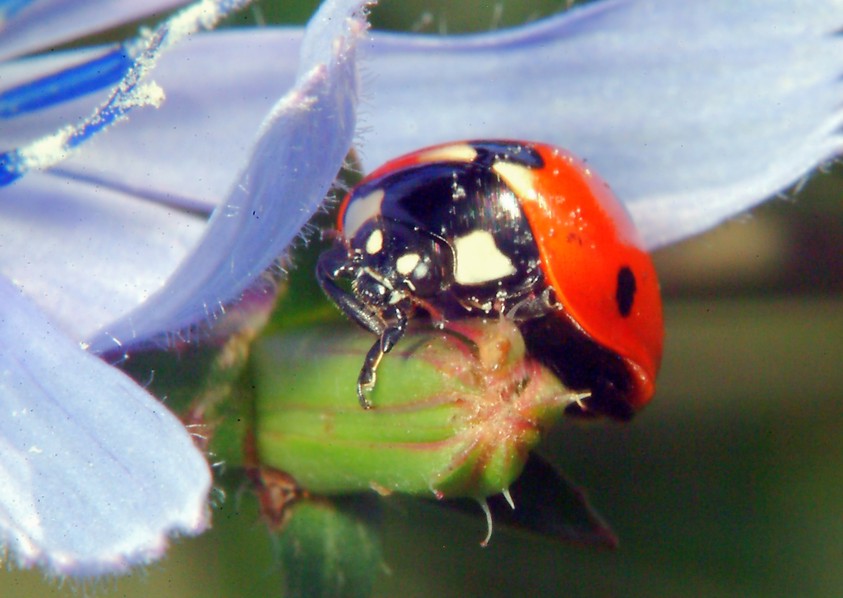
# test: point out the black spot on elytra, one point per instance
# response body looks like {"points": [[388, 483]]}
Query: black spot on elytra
{"points": [[625, 291]]}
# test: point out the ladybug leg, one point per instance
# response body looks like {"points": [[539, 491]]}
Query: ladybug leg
{"points": [[389, 324], [393, 332]]}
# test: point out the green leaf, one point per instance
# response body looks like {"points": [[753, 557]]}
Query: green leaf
{"points": [[546, 503], [331, 549]]}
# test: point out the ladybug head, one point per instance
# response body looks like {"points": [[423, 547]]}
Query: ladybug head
{"points": [[392, 261]]}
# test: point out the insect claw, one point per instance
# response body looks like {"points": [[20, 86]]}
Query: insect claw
{"points": [[365, 403], [365, 382]]}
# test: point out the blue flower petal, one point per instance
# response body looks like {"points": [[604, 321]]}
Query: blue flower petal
{"points": [[692, 111], [218, 88], [32, 25], [95, 474], [85, 255], [122, 186], [131, 92], [294, 162]]}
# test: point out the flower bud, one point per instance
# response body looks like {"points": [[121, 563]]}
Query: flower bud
{"points": [[455, 412]]}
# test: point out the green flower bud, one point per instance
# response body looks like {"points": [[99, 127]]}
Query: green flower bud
{"points": [[455, 413]]}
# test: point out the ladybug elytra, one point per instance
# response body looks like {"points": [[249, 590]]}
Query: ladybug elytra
{"points": [[503, 228]]}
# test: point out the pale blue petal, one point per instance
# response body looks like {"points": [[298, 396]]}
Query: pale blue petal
{"points": [[95, 474], [107, 189], [219, 89], [692, 111], [131, 92], [205, 128], [88, 254], [32, 25], [293, 164], [109, 243]]}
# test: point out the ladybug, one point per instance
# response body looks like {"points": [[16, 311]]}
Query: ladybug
{"points": [[499, 228]]}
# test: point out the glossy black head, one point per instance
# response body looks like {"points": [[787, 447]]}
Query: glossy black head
{"points": [[404, 262]]}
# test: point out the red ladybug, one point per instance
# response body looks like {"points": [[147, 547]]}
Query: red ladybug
{"points": [[503, 228]]}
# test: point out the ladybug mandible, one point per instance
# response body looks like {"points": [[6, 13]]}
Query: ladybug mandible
{"points": [[503, 228]]}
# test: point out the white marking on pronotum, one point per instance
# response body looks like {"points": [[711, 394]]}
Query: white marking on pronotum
{"points": [[361, 210], [407, 263], [519, 178], [375, 242], [478, 259], [458, 152]]}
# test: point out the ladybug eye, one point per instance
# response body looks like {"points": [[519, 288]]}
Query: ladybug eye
{"points": [[625, 291]]}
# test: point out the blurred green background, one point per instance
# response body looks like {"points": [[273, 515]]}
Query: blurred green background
{"points": [[729, 484]]}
